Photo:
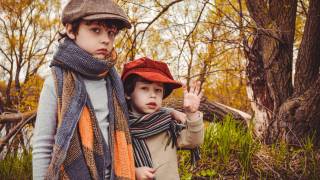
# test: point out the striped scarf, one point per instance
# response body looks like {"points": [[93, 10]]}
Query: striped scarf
{"points": [[148, 125], [80, 151]]}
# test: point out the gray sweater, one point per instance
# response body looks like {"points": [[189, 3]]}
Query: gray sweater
{"points": [[46, 122]]}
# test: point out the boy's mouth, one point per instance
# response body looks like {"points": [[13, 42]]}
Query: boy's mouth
{"points": [[102, 51], [152, 105]]}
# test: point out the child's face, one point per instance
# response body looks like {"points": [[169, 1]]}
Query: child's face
{"points": [[146, 97], [94, 37]]}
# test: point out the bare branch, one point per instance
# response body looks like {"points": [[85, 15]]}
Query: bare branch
{"points": [[166, 8], [193, 29], [4, 68], [15, 130], [15, 117], [303, 6]]}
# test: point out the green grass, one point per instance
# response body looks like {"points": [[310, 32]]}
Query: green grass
{"points": [[230, 151], [16, 166], [310, 161]]}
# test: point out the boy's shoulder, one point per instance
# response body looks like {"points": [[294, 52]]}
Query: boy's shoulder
{"points": [[49, 81]]}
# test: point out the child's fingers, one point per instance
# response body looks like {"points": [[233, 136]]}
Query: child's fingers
{"points": [[152, 170], [185, 89], [193, 87], [201, 94], [197, 88], [150, 175]]}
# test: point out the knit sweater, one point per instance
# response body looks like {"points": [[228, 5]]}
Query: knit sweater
{"points": [[46, 122]]}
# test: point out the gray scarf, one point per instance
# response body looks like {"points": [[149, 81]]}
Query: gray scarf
{"points": [[71, 158]]}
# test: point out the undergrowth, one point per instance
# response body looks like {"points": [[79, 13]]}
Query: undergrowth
{"points": [[230, 151]]}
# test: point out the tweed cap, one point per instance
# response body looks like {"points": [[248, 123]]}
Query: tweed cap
{"points": [[94, 10], [151, 70]]}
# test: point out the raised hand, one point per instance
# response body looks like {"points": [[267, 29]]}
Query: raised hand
{"points": [[192, 97]]}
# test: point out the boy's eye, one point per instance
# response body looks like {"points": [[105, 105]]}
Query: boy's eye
{"points": [[159, 90], [144, 88], [96, 30], [111, 34]]}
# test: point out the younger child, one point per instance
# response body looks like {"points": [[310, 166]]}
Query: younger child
{"points": [[81, 131], [155, 135]]}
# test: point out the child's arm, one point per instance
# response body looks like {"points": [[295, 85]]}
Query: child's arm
{"points": [[45, 129], [193, 135], [177, 115], [144, 173]]}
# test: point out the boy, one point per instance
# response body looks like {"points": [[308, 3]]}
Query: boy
{"points": [[155, 135], [81, 131]]}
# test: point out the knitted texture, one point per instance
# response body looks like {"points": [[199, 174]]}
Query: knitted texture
{"points": [[142, 127], [80, 151]]}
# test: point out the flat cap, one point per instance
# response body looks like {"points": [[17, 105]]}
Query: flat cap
{"points": [[95, 10], [151, 70]]}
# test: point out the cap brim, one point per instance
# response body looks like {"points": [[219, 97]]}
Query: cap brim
{"points": [[125, 22], [157, 77]]}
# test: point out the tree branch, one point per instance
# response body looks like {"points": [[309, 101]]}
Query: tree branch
{"points": [[193, 29], [15, 130], [15, 117]]}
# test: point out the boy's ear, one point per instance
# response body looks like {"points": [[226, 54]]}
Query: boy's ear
{"points": [[127, 97], [69, 31]]}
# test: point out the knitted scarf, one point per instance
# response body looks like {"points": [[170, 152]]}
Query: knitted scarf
{"points": [[80, 151], [152, 124]]}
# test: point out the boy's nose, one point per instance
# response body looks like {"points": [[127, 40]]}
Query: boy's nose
{"points": [[152, 94], [105, 38]]}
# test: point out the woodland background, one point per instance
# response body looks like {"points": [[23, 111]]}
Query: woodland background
{"points": [[258, 63]]}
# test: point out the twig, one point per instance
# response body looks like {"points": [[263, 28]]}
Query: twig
{"points": [[269, 166], [14, 131]]}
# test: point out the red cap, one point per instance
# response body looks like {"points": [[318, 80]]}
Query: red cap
{"points": [[151, 70]]}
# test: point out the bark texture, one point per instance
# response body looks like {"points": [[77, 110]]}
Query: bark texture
{"points": [[283, 110]]}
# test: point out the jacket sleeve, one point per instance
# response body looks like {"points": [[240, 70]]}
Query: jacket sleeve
{"points": [[44, 130], [193, 134]]}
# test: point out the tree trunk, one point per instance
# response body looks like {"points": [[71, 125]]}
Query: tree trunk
{"points": [[299, 116], [270, 60], [8, 92], [17, 80], [283, 111], [309, 53]]}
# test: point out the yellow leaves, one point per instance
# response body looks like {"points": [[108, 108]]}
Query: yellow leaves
{"points": [[2, 88], [27, 29], [42, 7], [12, 41], [43, 23], [135, 9], [167, 44], [155, 38], [165, 22], [15, 8], [30, 93]]}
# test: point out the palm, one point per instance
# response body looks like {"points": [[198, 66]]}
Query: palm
{"points": [[192, 98]]}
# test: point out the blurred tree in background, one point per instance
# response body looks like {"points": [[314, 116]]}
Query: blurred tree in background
{"points": [[28, 29], [200, 40]]}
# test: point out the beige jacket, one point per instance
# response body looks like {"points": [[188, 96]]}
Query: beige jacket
{"points": [[166, 158]]}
